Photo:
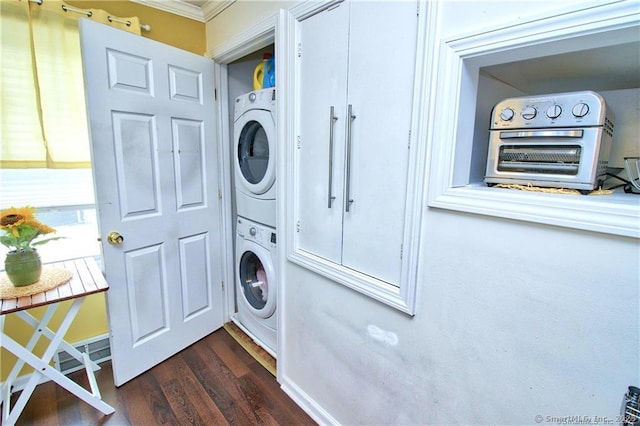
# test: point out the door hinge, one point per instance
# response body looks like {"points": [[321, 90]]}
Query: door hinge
{"points": [[401, 250], [219, 195], [222, 285], [409, 144], [215, 94], [299, 50], [418, 8], [298, 144], [298, 226]]}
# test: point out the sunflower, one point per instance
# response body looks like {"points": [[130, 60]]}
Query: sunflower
{"points": [[12, 218], [41, 227], [22, 228]]}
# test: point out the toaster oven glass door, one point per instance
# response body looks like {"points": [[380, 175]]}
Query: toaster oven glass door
{"points": [[554, 159], [554, 156]]}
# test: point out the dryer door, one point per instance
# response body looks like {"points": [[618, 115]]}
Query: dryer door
{"points": [[255, 150], [256, 279]]}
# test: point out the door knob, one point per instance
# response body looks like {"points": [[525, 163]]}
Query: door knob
{"points": [[115, 238]]}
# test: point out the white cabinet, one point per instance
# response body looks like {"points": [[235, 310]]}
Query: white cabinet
{"points": [[355, 87]]}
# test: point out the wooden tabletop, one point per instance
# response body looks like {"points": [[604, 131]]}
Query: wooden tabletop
{"points": [[87, 279]]}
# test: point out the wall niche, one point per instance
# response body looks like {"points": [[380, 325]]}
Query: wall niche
{"points": [[590, 49]]}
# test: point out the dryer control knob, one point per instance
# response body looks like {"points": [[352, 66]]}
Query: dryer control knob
{"points": [[253, 231]]}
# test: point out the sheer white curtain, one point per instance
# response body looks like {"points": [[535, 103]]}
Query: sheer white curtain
{"points": [[44, 123]]}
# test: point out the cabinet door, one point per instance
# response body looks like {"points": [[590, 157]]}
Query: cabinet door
{"points": [[382, 51], [322, 85]]}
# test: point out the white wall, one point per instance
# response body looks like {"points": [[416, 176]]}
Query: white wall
{"points": [[513, 319], [238, 17]]}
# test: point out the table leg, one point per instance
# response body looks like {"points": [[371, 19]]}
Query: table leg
{"points": [[37, 327], [42, 367], [5, 391], [48, 333], [13, 375]]}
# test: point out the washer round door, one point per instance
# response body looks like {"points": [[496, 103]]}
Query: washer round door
{"points": [[255, 150], [256, 279]]}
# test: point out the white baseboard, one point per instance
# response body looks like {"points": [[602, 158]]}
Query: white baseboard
{"points": [[304, 401]]}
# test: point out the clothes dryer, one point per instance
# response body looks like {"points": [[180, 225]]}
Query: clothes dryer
{"points": [[257, 283], [255, 156]]}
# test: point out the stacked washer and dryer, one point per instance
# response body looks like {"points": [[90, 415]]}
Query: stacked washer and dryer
{"points": [[255, 174]]}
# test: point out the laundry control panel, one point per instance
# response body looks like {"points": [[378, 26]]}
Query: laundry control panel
{"points": [[255, 232]]}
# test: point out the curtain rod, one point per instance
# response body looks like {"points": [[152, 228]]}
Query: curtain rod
{"points": [[66, 8]]}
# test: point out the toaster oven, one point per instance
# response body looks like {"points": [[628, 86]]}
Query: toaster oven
{"points": [[560, 140]]}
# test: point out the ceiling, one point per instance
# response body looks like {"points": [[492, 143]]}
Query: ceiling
{"points": [[199, 10]]}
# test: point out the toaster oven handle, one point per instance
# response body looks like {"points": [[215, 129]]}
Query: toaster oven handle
{"points": [[542, 134]]}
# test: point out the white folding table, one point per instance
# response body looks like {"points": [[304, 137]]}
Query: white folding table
{"points": [[87, 279]]}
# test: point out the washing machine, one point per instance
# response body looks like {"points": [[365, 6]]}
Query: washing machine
{"points": [[257, 283], [254, 133]]}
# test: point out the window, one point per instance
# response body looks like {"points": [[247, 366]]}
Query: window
{"points": [[45, 145], [64, 200], [44, 120]]}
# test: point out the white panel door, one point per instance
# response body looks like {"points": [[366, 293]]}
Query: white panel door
{"points": [[382, 51], [155, 161], [320, 173]]}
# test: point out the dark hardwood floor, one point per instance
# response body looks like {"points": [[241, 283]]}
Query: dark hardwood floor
{"points": [[213, 382]]}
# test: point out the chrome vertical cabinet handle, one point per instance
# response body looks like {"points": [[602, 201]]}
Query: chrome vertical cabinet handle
{"points": [[348, 200], [332, 120]]}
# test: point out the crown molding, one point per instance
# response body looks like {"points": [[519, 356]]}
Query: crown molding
{"points": [[202, 14], [213, 8]]}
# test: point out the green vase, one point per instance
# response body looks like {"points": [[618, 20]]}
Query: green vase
{"points": [[23, 267]]}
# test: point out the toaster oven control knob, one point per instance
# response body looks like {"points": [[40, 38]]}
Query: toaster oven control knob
{"points": [[506, 114], [554, 111], [529, 112], [580, 110]]}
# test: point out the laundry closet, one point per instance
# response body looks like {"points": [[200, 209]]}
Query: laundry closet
{"points": [[251, 98]]}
